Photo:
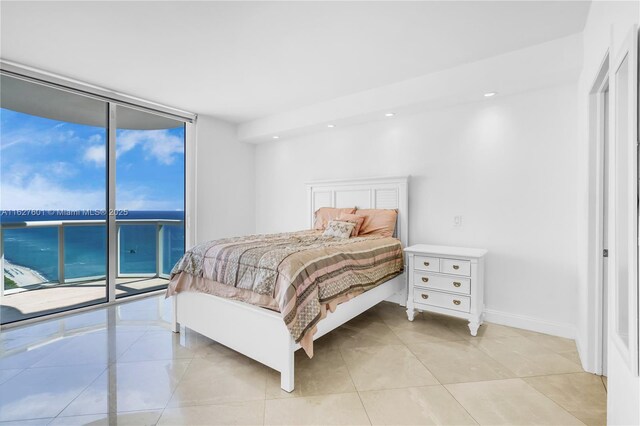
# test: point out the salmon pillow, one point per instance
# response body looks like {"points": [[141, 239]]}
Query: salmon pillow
{"points": [[378, 221], [353, 218], [324, 214]]}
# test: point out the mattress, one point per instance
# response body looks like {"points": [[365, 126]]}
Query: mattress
{"points": [[299, 274]]}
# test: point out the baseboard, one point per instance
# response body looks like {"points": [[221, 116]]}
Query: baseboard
{"points": [[585, 360], [530, 323]]}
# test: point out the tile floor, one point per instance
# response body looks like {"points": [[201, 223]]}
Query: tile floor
{"points": [[122, 365]]}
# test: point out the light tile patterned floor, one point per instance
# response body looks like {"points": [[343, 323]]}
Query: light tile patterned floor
{"points": [[123, 365]]}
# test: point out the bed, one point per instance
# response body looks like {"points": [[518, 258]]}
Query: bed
{"points": [[264, 323]]}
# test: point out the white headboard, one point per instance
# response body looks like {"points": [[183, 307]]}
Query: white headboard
{"points": [[367, 193]]}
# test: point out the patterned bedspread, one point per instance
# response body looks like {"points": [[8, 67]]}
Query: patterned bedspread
{"points": [[298, 273]]}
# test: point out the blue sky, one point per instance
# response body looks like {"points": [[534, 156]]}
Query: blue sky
{"points": [[52, 165]]}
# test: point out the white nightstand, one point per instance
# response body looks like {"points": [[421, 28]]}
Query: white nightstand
{"points": [[446, 280]]}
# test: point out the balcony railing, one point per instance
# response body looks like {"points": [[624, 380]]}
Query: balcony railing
{"points": [[138, 256]]}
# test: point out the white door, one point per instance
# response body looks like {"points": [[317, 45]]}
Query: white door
{"points": [[624, 384]]}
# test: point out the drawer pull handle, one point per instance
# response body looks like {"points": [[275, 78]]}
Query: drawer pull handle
{"points": [[456, 302], [456, 284], [426, 263], [425, 296], [456, 267], [425, 279]]}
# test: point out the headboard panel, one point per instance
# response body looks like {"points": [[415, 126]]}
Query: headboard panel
{"points": [[367, 193]]}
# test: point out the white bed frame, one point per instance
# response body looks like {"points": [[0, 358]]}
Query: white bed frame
{"points": [[260, 333]]}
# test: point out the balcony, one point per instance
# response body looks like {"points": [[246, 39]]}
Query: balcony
{"points": [[52, 266]]}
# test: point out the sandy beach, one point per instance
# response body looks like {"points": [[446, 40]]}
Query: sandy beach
{"points": [[22, 275]]}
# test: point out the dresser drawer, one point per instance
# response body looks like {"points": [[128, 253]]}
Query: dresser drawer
{"points": [[442, 300], [424, 263], [440, 282], [457, 267]]}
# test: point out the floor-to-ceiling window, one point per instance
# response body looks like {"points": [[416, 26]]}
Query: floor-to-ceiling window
{"points": [[149, 199], [63, 203]]}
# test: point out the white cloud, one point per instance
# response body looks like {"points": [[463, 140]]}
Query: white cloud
{"points": [[159, 144], [97, 138], [95, 154], [25, 190], [8, 141], [61, 169], [38, 192], [18, 172], [133, 197], [38, 136]]}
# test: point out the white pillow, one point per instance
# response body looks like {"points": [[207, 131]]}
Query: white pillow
{"points": [[339, 229]]}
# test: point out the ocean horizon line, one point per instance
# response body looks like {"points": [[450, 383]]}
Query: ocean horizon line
{"points": [[29, 215]]}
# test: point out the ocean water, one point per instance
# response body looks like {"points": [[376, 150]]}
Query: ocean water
{"points": [[85, 247]]}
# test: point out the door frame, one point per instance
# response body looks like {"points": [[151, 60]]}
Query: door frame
{"points": [[628, 352], [592, 359]]}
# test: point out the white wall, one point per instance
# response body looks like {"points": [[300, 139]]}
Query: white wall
{"points": [[507, 165], [225, 182], [607, 25]]}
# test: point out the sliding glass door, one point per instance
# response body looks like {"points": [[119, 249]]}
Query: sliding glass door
{"points": [[53, 199], [78, 183], [149, 199]]}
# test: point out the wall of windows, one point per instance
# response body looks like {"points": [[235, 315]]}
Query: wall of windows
{"points": [[92, 197]]}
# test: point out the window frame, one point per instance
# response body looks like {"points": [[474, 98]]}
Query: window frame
{"points": [[113, 99]]}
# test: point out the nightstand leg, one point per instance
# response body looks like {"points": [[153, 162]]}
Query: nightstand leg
{"points": [[411, 312], [474, 324]]}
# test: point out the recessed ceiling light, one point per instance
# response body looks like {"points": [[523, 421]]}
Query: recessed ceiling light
{"points": [[389, 114], [490, 94], [276, 137], [331, 126]]}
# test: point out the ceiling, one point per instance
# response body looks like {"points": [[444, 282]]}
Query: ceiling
{"points": [[241, 61]]}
